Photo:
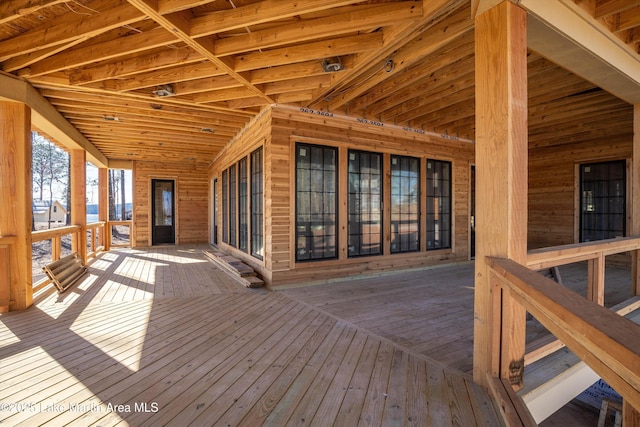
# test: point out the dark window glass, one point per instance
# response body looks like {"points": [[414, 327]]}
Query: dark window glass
{"points": [[257, 218], [225, 206], [316, 202], [405, 204], [438, 204], [232, 205], [243, 206], [603, 200], [365, 203]]}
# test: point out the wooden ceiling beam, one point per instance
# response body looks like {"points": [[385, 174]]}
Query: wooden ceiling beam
{"points": [[258, 13], [562, 32], [180, 25], [395, 37], [440, 62], [98, 52], [46, 117], [289, 71], [194, 136], [22, 61], [298, 84], [130, 67], [14, 9], [164, 102], [183, 73], [309, 51], [70, 27], [205, 85], [143, 104], [627, 19], [609, 7], [438, 36], [171, 6], [222, 95], [129, 117], [357, 18]]}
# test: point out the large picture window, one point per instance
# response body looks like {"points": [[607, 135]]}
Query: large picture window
{"points": [[257, 236], [603, 200], [438, 204], [243, 206], [232, 205], [365, 203], [316, 202], [405, 204], [225, 206]]}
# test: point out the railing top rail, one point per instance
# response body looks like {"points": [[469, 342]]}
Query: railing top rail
{"points": [[96, 224], [566, 254], [37, 236], [124, 222], [607, 342]]}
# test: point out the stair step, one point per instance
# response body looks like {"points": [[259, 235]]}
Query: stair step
{"points": [[235, 268]]}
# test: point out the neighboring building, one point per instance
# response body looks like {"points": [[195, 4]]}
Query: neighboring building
{"points": [[45, 211]]}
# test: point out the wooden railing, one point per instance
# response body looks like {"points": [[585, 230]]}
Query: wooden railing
{"points": [[110, 226], [5, 276], [55, 235], [604, 340], [96, 240], [594, 253]]}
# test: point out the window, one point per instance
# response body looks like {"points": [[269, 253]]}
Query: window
{"points": [[243, 205], [232, 205], [316, 202], [225, 206], [405, 204], [603, 200], [438, 204], [257, 236], [365, 203]]}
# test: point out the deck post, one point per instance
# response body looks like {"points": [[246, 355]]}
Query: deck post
{"points": [[635, 200], [103, 213], [78, 160], [501, 187], [15, 208]]}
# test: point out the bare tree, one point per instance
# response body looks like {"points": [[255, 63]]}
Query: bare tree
{"points": [[49, 165]]}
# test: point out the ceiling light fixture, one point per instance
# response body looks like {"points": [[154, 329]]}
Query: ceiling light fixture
{"points": [[111, 119], [164, 90], [331, 65]]}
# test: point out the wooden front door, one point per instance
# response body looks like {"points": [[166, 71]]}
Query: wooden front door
{"points": [[163, 211]]}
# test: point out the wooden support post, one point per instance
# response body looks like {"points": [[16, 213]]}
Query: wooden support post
{"points": [[501, 183], [79, 200], [630, 415], [15, 194], [595, 279], [5, 279], [103, 206], [635, 200], [56, 248]]}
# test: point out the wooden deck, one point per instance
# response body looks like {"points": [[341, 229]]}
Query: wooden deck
{"points": [[161, 337]]}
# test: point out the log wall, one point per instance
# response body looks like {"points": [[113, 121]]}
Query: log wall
{"points": [[279, 128], [554, 187], [191, 198], [255, 135]]}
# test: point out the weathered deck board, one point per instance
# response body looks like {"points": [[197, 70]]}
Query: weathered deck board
{"points": [[164, 328]]}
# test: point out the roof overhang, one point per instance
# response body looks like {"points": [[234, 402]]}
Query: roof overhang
{"points": [[47, 119]]}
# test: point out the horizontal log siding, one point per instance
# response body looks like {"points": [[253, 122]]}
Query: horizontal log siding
{"points": [[191, 187], [255, 135], [553, 187]]}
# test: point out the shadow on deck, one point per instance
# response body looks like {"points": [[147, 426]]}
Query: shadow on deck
{"points": [[162, 337]]}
